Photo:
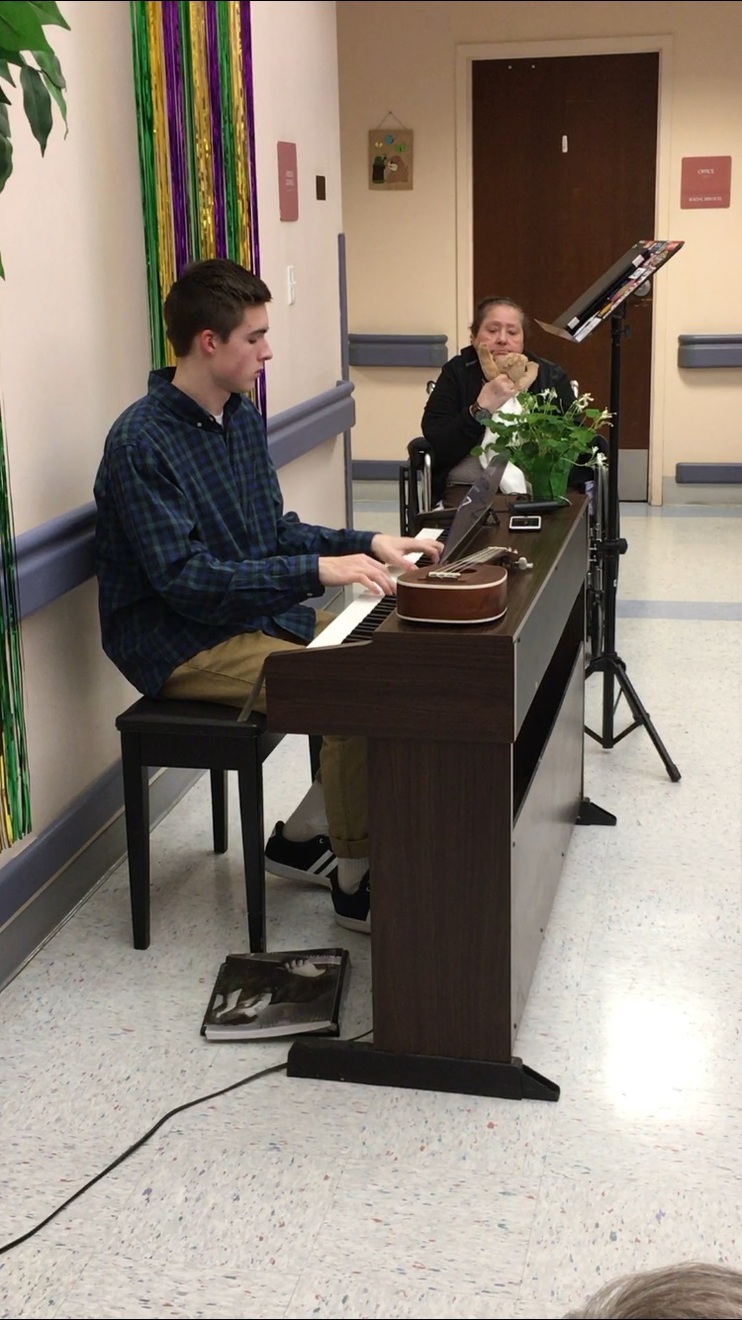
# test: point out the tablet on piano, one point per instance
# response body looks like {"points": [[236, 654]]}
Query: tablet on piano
{"points": [[473, 509]]}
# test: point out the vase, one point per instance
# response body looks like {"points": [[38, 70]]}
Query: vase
{"points": [[547, 477]]}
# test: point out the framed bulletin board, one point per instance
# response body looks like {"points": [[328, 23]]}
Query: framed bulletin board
{"points": [[390, 159]]}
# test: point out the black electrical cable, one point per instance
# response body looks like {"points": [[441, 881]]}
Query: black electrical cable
{"points": [[189, 1104]]}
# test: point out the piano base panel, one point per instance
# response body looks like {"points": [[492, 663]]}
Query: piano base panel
{"points": [[363, 1063]]}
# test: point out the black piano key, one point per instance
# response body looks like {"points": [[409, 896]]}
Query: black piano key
{"points": [[367, 627]]}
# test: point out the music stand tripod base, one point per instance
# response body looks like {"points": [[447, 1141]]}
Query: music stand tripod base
{"points": [[613, 667]]}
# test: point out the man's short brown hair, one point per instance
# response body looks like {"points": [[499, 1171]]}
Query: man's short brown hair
{"points": [[210, 295]]}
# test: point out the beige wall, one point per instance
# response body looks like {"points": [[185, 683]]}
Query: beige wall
{"points": [[74, 345], [296, 100], [408, 253]]}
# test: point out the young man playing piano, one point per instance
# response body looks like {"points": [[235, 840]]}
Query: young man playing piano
{"points": [[201, 573]]}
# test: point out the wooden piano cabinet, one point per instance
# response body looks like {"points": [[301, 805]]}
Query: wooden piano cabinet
{"points": [[475, 743]]}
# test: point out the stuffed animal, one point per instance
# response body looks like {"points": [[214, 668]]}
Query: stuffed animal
{"points": [[517, 366]]}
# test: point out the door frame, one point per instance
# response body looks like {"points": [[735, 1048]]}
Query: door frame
{"points": [[466, 54]]}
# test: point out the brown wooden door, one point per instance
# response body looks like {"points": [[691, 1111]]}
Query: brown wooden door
{"points": [[564, 163]]}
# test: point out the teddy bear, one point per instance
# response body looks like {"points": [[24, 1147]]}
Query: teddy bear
{"points": [[517, 366]]}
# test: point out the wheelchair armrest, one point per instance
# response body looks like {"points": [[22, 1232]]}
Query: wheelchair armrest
{"points": [[417, 450]]}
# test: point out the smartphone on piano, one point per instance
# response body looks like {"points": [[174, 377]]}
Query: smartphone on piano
{"points": [[525, 522]]}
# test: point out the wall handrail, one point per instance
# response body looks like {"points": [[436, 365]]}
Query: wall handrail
{"points": [[57, 556], [710, 350]]}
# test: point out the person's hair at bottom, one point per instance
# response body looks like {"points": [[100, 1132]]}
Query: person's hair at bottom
{"points": [[676, 1292]]}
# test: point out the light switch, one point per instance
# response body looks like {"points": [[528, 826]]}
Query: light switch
{"points": [[291, 284]]}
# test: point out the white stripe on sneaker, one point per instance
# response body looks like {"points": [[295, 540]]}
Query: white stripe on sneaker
{"points": [[323, 864]]}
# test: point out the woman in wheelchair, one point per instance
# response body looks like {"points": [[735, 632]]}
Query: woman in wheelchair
{"points": [[462, 396]]}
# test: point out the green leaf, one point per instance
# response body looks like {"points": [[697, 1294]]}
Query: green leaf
{"points": [[37, 104], [2, 269], [59, 98], [6, 159], [49, 13], [49, 64], [12, 57], [20, 26]]}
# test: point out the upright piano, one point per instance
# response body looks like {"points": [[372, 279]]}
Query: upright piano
{"points": [[475, 747]]}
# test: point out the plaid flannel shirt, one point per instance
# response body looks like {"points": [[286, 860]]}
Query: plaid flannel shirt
{"points": [[192, 545]]}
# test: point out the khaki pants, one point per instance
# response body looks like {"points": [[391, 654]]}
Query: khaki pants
{"points": [[228, 674]]}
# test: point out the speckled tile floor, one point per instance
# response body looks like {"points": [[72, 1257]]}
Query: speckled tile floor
{"points": [[296, 1198]]}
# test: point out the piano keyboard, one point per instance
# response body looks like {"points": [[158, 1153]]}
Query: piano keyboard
{"points": [[360, 619]]}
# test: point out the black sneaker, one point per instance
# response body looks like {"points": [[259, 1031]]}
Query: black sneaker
{"points": [[313, 860], [353, 910]]}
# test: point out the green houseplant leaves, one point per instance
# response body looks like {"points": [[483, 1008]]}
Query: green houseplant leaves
{"points": [[542, 435], [24, 44]]}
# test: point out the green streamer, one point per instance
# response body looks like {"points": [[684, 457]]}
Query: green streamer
{"points": [[145, 136], [15, 796], [227, 127]]}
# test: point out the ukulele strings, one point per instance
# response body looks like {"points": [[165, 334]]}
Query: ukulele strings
{"points": [[485, 556]]}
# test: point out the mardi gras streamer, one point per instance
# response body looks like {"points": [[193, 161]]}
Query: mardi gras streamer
{"points": [[194, 100], [240, 90], [15, 797]]}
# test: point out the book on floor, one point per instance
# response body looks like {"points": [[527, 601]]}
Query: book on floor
{"points": [[259, 995]]}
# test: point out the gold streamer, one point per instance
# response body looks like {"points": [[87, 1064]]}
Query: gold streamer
{"points": [[7, 829], [165, 236], [241, 189], [202, 130]]}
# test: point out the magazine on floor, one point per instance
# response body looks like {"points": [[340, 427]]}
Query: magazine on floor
{"points": [[259, 995]]}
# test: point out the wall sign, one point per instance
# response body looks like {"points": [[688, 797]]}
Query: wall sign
{"points": [[390, 159], [288, 182], [705, 181]]}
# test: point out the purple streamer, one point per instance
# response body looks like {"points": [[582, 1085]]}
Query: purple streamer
{"points": [[260, 390], [217, 154], [176, 131]]}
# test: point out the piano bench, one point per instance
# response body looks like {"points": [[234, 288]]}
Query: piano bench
{"points": [[197, 735]]}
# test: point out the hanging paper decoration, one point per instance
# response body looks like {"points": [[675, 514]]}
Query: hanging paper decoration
{"points": [[194, 99], [390, 155], [15, 797]]}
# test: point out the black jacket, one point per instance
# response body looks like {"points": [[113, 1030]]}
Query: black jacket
{"points": [[449, 427]]}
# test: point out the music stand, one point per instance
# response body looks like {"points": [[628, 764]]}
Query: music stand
{"points": [[605, 299]]}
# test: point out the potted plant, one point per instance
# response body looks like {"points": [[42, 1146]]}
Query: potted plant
{"points": [[544, 442], [24, 44]]}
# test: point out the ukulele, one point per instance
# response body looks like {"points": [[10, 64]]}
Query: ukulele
{"points": [[469, 590]]}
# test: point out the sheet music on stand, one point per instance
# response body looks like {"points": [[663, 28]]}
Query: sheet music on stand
{"points": [[623, 278]]}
